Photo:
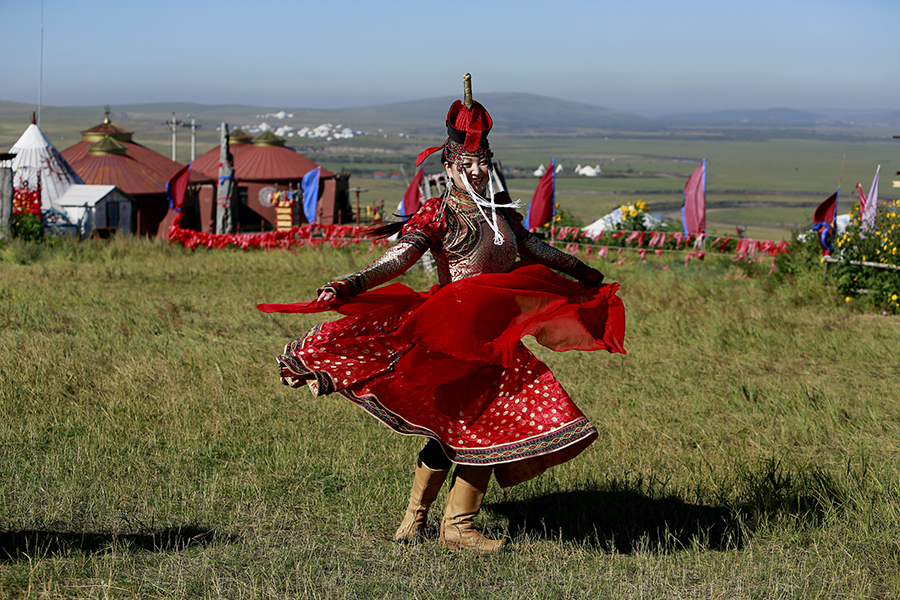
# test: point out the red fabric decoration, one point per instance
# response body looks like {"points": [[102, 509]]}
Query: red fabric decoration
{"points": [[176, 187], [825, 211]]}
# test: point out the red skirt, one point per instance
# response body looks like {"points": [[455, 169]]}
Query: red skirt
{"points": [[448, 364]]}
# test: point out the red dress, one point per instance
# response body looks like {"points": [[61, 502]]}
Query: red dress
{"points": [[448, 364]]}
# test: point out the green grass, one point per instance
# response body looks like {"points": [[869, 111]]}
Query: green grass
{"points": [[747, 448]]}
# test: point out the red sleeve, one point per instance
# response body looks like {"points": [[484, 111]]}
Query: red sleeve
{"points": [[422, 231]]}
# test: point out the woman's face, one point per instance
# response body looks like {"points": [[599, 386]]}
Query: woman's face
{"points": [[476, 170]]}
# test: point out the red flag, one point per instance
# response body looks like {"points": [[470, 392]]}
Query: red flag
{"points": [[541, 207], [412, 199], [693, 211], [176, 187], [862, 199], [823, 222], [825, 211]]}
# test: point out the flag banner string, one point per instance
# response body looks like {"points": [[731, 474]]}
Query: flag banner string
{"points": [[310, 235], [572, 239]]}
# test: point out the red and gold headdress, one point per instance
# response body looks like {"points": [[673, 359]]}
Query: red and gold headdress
{"points": [[468, 125]]}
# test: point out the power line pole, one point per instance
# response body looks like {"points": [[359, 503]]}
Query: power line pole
{"points": [[193, 127], [174, 123], [41, 70]]}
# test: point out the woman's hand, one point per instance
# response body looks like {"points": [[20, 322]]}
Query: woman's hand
{"points": [[592, 277], [326, 297]]}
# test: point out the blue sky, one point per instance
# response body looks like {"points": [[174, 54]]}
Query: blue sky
{"points": [[644, 56]]}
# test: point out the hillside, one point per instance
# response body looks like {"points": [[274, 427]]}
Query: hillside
{"points": [[513, 113]]}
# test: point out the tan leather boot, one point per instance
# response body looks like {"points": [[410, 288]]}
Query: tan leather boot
{"points": [[425, 488], [458, 529]]}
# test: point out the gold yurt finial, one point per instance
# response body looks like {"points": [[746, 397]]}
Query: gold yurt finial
{"points": [[467, 82]]}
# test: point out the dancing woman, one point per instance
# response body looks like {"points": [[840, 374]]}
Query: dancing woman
{"points": [[448, 364]]}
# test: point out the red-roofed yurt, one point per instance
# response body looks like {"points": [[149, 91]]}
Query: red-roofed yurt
{"points": [[262, 166], [107, 155]]}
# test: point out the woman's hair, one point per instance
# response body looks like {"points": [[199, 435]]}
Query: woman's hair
{"points": [[386, 230]]}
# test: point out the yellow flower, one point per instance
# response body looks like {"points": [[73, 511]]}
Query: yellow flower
{"points": [[641, 205], [633, 212], [623, 208], [847, 299], [894, 297]]}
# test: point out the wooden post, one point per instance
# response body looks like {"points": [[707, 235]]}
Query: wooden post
{"points": [[6, 201]]}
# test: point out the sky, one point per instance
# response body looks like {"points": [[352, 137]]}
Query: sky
{"points": [[648, 57]]}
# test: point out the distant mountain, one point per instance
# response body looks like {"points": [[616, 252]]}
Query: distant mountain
{"points": [[771, 117], [786, 117], [512, 113]]}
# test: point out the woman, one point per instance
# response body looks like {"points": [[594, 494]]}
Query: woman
{"points": [[448, 364]]}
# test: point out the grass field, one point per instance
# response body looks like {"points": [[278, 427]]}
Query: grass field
{"points": [[747, 448]]}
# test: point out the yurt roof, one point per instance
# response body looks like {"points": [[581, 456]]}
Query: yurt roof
{"points": [[34, 153], [139, 170], [121, 170], [106, 128], [264, 163]]}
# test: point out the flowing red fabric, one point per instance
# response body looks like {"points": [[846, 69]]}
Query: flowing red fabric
{"points": [[493, 312], [448, 364]]}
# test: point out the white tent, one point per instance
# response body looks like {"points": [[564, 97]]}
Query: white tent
{"points": [[35, 154], [588, 171], [611, 221], [539, 172], [93, 207], [605, 223]]}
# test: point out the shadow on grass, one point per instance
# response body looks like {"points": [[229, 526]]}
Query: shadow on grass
{"points": [[634, 515], [623, 521], [16, 545]]}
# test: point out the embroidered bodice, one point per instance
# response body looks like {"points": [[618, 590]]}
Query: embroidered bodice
{"points": [[461, 241]]}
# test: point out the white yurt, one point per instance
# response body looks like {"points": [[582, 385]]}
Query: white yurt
{"points": [[36, 156]]}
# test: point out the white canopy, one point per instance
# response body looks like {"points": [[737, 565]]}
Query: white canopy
{"points": [[611, 221], [35, 154]]}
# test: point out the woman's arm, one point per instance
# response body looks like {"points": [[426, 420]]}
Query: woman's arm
{"points": [[420, 233]]}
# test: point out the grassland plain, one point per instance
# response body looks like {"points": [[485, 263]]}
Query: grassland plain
{"points": [[773, 177], [747, 448], [767, 186]]}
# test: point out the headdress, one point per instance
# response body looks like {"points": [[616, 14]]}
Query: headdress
{"points": [[468, 125]]}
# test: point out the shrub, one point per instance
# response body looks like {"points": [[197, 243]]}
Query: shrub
{"points": [[27, 226], [868, 270]]}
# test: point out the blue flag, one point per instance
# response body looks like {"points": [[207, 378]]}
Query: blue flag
{"points": [[310, 185]]}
